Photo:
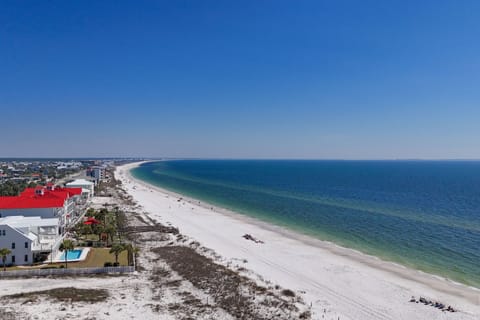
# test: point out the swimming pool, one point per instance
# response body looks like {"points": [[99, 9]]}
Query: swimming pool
{"points": [[71, 255]]}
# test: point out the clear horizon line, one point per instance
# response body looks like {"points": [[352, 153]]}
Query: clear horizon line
{"points": [[232, 158]]}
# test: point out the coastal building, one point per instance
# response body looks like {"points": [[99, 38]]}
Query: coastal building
{"points": [[45, 202], [97, 172], [29, 238], [83, 184], [72, 165]]}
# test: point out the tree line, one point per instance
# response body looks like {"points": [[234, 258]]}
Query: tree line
{"points": [[12, 188]]}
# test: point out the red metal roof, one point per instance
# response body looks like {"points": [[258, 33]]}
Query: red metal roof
{"points": [[73, 191], [70, 191], [22, 202], [28, 199], [91, 220]]}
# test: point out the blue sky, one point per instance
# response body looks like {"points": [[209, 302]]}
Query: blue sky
{"points": [[240, 79]]}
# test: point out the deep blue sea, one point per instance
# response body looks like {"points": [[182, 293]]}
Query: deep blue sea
{"points": [[422, 214]]}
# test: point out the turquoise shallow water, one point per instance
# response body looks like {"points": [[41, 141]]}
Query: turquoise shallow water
{"points": [[422, 214]]}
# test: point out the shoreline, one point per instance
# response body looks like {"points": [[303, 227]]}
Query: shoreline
{"points": [[409, 282], [365, 258]]}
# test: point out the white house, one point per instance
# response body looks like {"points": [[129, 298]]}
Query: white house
{"points": [[82, 183], [28, 238]]}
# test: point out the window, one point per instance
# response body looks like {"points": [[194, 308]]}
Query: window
{"points": [[3, 232], [13, 245], [26, 258], [13, 259], [26, 245]]}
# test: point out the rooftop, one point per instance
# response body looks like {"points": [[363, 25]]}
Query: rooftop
{"points": [[41, 197], [80, 182], [21, 221]]}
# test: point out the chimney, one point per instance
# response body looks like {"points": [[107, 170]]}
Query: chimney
{"points": [[39, 191]]}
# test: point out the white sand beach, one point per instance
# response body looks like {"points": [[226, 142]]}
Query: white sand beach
{"points": [[338, 283]]}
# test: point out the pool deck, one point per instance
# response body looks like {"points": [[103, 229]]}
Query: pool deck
{"points": [[82, 257]]}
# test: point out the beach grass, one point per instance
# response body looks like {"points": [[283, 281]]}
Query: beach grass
{"points": [[64, 295]]}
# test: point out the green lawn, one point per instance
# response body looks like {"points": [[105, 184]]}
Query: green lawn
{"points": [[97, 257]]}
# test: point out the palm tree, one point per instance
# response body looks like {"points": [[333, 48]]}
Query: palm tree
{"points": [[4, 252], [131, 249], [98, 229], [66, 245], [101, 215], [116, 249], [111, 232]]}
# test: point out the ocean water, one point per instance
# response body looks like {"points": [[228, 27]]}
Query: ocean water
{"points": [[422, 214]]}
